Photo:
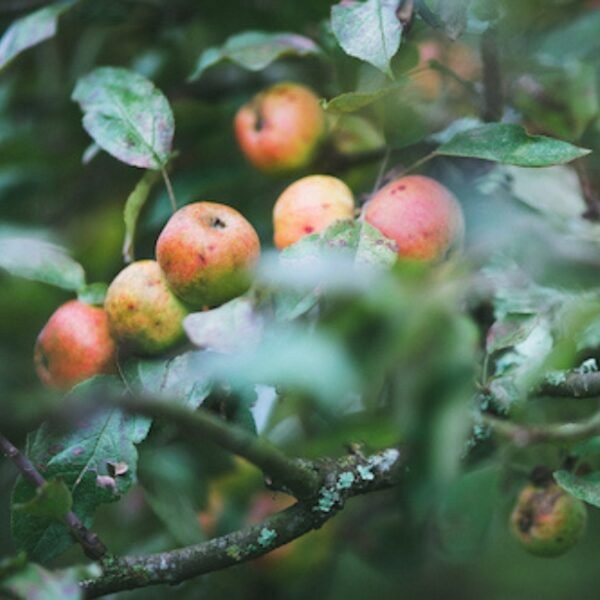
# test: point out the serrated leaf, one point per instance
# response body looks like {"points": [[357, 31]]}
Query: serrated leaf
{"points": [[127, 116], [93, 293], [510, 144], [31, 30], [255, 50], [369, 31], [133, 207], [52, 500], [584, 487], [227, 328], [41, 261], [181, 378], [353, 101], [81, 456]]}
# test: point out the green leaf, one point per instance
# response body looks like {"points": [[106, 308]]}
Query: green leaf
{"points": [[39, 260], [36, 583], [31, 30], [374, 250], [127, 116], [181, 378], [133, 208], [93, 293], [96, 458], [229, 327], [353, 101], [584, 487], [510, 144], [369, 31], [52, 500], [255, 50]]}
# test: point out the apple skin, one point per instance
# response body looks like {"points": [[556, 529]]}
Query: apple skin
{"points": [[547, 520], [280, 129], [144, 314], [74, 345], [310, 205], [419, 214], [206, 251]]}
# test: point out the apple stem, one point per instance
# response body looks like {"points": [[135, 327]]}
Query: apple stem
{"points": [[169, 187]]}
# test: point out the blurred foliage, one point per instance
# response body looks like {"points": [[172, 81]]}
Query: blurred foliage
{"points": [[372, 358]]}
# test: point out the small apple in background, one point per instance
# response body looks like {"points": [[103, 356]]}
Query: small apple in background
{"points": [[547, 520], [74, 345], [419, 214], [280, 129], [144, 314], [310, 205], [206, 251]]}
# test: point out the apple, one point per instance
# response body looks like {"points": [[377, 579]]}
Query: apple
{"points": [[310, 205], [280, 129], [547, 520], [206, 251], [419, 214], [144, 314], [74, 345]]}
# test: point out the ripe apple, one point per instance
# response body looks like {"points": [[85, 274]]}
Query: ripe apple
{"points": [[144, 314], [74, 345], [279, 130], [419, 214], [310, 205], [206, 251], [547, 520]]}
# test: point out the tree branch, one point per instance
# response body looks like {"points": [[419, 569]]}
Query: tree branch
{"points": [[343, 478], [293, 475], [573, 385], [493, 97], [88, 540]]}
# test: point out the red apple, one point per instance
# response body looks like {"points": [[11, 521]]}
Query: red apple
{"points": [[206, 251], [279, 130], [419, 214], [310, 205], [74, 345]]}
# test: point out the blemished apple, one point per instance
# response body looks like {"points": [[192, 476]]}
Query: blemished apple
{"points": [[310, 205], [421, 215], [144, 314], [281, 128], [206, 251], [74, 345], [547, 520]]}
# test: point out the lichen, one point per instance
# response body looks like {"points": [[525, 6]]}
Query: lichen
{"points": [[345, 480], [327, 500], [365, 473], [556, 377], [234, 552], [385, 461], [266, 537]]}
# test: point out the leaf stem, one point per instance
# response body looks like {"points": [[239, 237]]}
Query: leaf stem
{"points": [[89, 541], [169, 187], [418, 163]]}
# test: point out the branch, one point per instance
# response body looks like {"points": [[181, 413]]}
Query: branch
{"points": [[493, 97], [574, 385], [591, 197], [295, 476], [89, 541], [343, 479]]}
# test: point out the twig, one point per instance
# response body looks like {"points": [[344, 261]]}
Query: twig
{"points": [[169, 189], [573, 385], [344, 478], [493, 97], [89, 541], [591, 197], [295, 476]]}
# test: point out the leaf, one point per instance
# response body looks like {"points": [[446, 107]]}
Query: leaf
{"points": [[369, 31], [84, 457], [510, 144], [584, 487], [133, 208], [93, 293], [36, 583], [31, 30], [229, 327], [255, 50], [508, 332], [52, 500], [41, 261], [181, 378], [374, 250], [127, 116], [353, 101]]}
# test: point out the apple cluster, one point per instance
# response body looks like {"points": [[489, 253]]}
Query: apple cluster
{"points": [[206, 250]]}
